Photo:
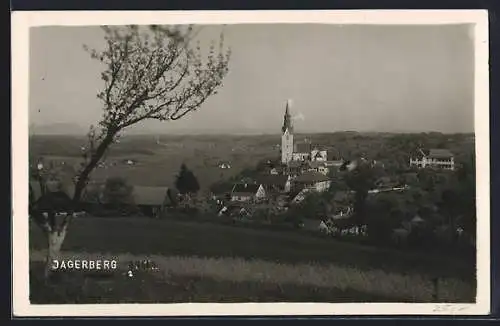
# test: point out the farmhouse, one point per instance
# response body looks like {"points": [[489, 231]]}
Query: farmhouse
{"points": [[312, 180], [247, 192], [275, 183], [152, 200], [149, 200], [433, 158]]}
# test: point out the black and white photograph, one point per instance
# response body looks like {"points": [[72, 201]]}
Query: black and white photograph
{"points": [[324, 159]]}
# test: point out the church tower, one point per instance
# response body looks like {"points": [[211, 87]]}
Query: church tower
{"points": [[287, 137]]}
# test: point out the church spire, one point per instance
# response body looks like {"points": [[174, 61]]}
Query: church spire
{"points": [[287, 120]]}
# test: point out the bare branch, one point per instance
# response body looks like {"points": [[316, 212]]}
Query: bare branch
{"points": [[149, 73]]}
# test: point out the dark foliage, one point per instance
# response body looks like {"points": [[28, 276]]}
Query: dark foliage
{"points": [[186, 182]]}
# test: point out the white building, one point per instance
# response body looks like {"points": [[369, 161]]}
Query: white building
{"points": [[319, 155], [433, 158]]}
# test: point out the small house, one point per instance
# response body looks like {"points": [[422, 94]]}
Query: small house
{"points": [[152, 200], [247, 192], [312, 180], [318, 166], [274, 183]]}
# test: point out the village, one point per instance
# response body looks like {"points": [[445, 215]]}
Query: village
{"points": [[303, 174]]}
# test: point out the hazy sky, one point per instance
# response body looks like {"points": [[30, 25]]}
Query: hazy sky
{"points": [[350, 77]]}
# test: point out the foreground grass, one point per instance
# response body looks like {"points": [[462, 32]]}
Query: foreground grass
{"points": [[177, 238], [252, 278], [171, 288]]}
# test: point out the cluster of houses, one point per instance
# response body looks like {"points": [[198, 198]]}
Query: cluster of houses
{"points": [[303, 168]]}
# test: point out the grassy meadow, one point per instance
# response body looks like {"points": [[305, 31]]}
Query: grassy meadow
{"points": [[258, 259], [158, 164]]}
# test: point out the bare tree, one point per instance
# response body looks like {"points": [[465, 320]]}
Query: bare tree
{"points": [[153, 72]]}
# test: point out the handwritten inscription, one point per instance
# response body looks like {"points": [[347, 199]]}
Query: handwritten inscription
{"points": [[451, 309]]}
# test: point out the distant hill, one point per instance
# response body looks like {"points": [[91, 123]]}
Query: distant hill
{"points": [[57, 129]]}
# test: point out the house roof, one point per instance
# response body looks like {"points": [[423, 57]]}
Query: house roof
{"points": [[319, 147], [440, 153], [272, 180], [318, 155], [151, 196], [245, 188], [316, 164], [302, 193], [302, 148], [221, 188], [295, 164], [432, 153], [311, 176], [294, 193]]}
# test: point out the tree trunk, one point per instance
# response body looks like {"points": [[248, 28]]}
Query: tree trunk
{"points": [[96, 157], [55, 241]]}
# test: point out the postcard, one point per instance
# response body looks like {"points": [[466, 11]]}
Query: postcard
{"points": [[250, 163]]}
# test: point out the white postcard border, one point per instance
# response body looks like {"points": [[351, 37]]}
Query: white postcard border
{"points": [[22, 21]]}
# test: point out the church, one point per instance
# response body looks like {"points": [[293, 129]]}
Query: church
{"points": [[298, 152]]}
